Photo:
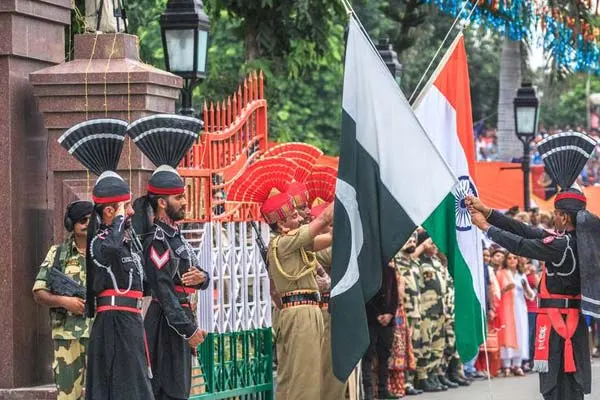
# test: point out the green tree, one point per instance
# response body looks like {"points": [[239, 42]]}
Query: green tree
{"points": [[281, 28], [565, 104]]}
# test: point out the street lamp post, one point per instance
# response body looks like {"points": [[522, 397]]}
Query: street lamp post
{"points": [[390, 57], [184, 27], [526, 115]]}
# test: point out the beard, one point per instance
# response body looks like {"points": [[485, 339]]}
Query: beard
{"points": [[175, 214], [409, 249]]}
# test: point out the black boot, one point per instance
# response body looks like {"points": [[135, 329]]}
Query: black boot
{"points": [[446, 382], [434, 380], [411, 391], [426, 386], [454, 374], [387, 396]]}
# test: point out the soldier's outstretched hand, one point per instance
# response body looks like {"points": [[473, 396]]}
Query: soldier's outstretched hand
{"points": [[479, 220], [473, 202]]}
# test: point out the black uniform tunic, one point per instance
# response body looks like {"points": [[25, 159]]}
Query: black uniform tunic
{"points": [[562, 277], [169, 321], [117, 364]]}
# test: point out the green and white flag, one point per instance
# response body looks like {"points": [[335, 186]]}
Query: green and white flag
{"points": [[391, 179]]}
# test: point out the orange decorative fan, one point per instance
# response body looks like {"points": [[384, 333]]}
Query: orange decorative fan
{"points": [[329, 160], [321, 183], [258, 180], [280, 150], [305, 155]]}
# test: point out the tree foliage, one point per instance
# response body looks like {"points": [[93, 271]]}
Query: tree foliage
{"points": [[271, 28], [300, 47], [565, 103]]}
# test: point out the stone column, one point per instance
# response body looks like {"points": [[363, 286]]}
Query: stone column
{"points": [[105, 80], [32, 36]]}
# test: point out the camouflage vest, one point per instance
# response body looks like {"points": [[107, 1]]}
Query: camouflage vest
{"points": [[64, 324]]}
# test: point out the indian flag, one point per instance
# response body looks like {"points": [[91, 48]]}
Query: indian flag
{"points": [[391, 179], [444, 109]]}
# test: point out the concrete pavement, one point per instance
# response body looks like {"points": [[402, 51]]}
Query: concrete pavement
{"points": [[514, 388]]}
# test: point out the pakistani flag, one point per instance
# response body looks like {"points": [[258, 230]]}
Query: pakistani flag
{"points": [[444, 109], [391, 179]]}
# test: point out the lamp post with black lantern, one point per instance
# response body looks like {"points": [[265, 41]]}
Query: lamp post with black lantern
{"points": [[526, 106], [390, 57], [184, 27]]}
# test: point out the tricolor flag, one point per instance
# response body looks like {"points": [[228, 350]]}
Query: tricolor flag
{"points": [[391, 178], [444, 109]]}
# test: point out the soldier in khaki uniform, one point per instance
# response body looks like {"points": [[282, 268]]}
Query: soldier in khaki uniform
{"points": [[292, 265], [70, 329], [331, 387]]}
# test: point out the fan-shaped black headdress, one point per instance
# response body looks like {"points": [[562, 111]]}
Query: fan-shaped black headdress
{"points": [[165, 139], [565, 155], [97, 144]]}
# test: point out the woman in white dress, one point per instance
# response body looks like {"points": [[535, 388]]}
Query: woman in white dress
{"points": [[512, 357]]}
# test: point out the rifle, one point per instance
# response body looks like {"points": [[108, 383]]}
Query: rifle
{"points": [[261, 244], [63, 285]]}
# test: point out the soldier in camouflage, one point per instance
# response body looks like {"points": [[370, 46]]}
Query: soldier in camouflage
{"points": [[450, 366], [433, 289], [411, 274], [70, 329]]}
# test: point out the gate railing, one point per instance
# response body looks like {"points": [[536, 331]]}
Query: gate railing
{"points": [[235, 132], [235, 360]]}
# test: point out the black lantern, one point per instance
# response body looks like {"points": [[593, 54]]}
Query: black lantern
{"points": [[184, 26], [390, 57], [526, 115]]}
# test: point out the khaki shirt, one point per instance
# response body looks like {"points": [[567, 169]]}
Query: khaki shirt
{"points": [[324, 257], [287, 267], [65, 325]]}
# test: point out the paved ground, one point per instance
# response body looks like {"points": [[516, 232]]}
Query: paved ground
{"points": [[514, 388]]}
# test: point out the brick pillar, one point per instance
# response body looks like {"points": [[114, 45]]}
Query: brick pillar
{"points": [[106, 79], [31, 37]]}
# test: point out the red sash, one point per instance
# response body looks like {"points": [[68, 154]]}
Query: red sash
{"points": [[549, 318]]}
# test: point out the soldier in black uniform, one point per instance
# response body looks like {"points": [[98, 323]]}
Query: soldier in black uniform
{"points": [[171, 266], [117, 358], [571, 277]]}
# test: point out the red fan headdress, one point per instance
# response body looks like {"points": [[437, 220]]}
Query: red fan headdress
{"points": [[265, 182]]}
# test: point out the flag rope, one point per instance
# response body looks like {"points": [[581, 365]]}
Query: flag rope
{"points": [[458, 17]]}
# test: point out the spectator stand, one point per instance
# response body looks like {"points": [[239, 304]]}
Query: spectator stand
{"points": [[235, 360]]}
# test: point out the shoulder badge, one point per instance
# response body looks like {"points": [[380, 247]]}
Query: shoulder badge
{"points": [[160, 260], [159, 234]]}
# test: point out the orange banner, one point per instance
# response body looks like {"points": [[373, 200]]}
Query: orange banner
{"points": [[500, 186]]}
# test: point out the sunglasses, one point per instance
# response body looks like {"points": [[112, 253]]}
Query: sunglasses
{"points": [[83, 220]]}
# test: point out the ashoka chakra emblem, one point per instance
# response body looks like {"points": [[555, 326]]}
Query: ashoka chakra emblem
{"points": [[462, 189]]}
